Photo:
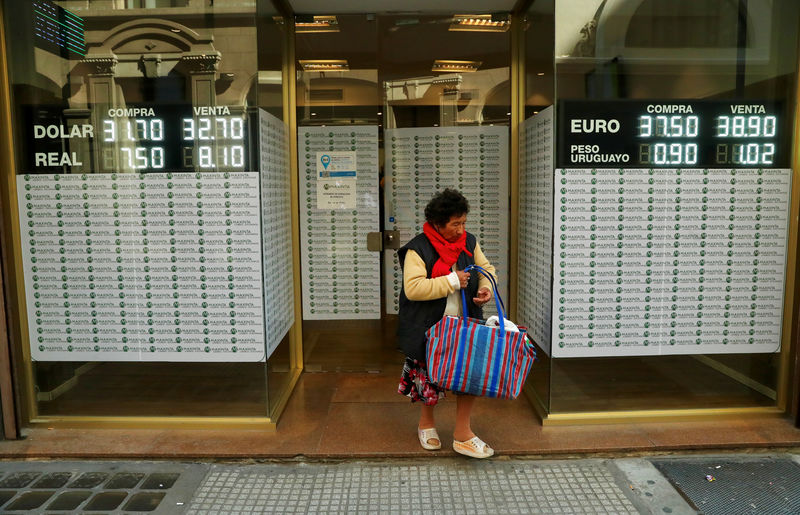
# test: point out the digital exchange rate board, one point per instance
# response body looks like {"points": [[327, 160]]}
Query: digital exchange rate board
{"points": [[670, 228], [673, 134], [140, 138]]}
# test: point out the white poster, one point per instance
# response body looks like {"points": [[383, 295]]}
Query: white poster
{"points": [[276, 222], [669, 261], [143, 267], [336, 180], [341, 278], [534, 289], [422, 161]]}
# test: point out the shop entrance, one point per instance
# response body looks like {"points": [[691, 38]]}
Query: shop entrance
{"points": [[414, 104]]}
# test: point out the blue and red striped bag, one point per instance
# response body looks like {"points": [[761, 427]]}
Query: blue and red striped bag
{"points": [[464, 355]]}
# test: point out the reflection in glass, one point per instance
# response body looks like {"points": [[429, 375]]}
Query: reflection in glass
{"points": [[139, 93], [678, 50]]}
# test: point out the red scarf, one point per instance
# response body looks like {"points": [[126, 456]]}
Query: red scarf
{"points": [[448, 252]]}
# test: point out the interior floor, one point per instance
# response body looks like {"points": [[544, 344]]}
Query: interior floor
{"points": [[351, 349], [351, 346]]}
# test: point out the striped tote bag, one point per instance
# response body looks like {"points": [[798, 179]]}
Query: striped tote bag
{"points": [[464, 355]]}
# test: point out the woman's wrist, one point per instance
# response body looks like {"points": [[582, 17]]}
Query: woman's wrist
{"points": [[454, 281]]}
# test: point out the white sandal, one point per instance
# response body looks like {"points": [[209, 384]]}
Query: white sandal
{"points": [[474, 448], [426, 435]]}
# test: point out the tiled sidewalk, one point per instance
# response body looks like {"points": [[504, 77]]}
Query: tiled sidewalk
{"points": [[441, 486], [713, 484]]}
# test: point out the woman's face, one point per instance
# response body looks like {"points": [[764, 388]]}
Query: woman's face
{"points": [[453, 229]]}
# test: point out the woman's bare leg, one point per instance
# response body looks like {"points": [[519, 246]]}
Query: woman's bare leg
{"points": [[463, 431], [426, 421]]}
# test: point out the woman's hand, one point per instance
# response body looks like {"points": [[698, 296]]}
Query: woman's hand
{"points": [[483, 297], [463, 278]]}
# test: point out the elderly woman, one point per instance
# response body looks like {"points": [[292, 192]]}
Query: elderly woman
{"points": [[433, 264]]}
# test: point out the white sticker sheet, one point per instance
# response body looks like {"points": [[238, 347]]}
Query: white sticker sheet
{"points": [[534, 290], [337, 180], [669, 261], [341, 278], [276, 223], [143, 267], [422, 161]]}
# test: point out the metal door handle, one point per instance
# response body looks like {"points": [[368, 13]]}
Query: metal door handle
{"points": [[379, 241], [391, 240]]}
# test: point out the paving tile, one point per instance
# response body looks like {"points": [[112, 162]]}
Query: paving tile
{"points": [[441, 486]]}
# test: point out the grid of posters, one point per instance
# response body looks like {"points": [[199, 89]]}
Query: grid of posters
{"points": [[276, 221], [669, 261], [421, 161], [341, 278], [143, 267], [534, 291]]}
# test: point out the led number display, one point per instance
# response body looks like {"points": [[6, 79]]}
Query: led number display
{"points": [[163, 138], [217, 142], [668, 152], [672, 134], [675, 126], [753, 134], [175, 138], [139, 142]]}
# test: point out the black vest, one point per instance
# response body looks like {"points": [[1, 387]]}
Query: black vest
{"points": [[416, 317]]}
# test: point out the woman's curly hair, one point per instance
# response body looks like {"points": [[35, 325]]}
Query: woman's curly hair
{"points": [[445, 205]]}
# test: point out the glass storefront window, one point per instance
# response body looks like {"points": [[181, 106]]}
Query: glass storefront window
{"points": [[154, 255], [152, 263], [669, 53]]}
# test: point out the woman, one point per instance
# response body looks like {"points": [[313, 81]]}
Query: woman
{"points": [[433, 264]]}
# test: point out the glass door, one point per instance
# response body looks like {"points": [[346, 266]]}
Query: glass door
{"points": [[416, 104], [338, 117]]}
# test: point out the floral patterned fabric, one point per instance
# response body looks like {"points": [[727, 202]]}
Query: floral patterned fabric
{"points": [[415, 384]]}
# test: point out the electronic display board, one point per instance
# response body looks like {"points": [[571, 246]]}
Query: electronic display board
{"points": [[58, 30], [672, 134], [140, 138], [146, 264]]}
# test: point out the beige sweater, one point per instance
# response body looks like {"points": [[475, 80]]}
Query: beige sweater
{"points": [[417, 286]]}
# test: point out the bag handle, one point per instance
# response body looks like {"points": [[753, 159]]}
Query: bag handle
{"points": [[492, 280], [497, 300]]}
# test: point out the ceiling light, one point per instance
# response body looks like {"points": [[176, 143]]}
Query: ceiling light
{"points": [[306, 24], [316, 65], [449, 65], [480, 23], [540, 74], [447, 80]]}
